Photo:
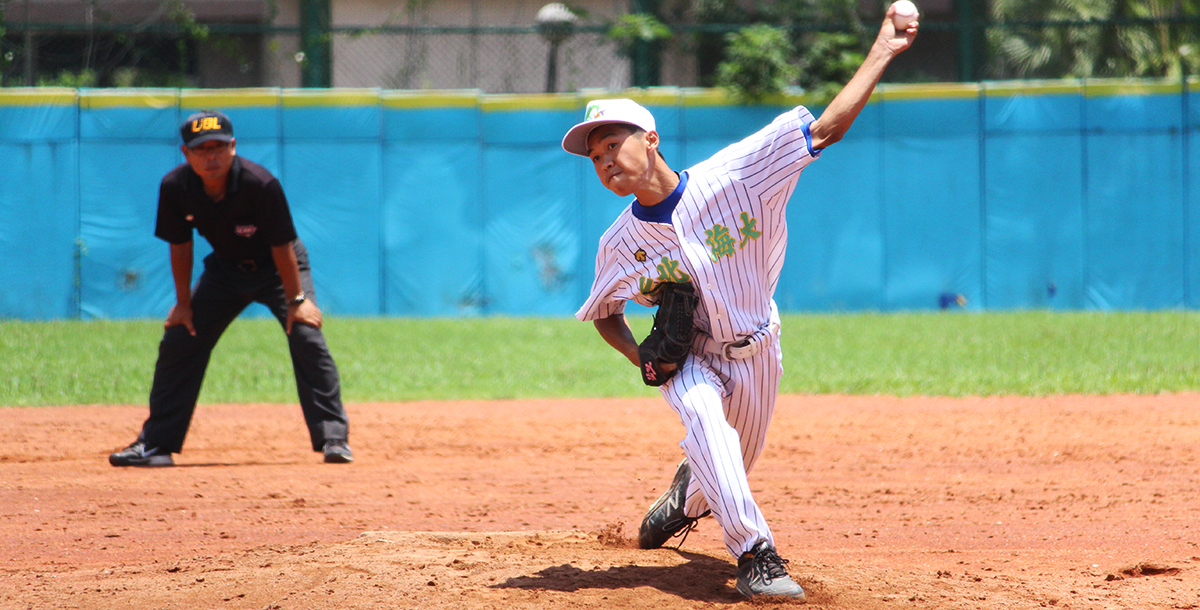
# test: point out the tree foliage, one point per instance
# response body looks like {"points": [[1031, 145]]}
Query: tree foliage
{"points": [[759, 63], [636, 28], [816, 44], [1089, 38], [827, 57]]}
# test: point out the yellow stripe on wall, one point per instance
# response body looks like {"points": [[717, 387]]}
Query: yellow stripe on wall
{"points": [[707, 97], [308, 98], [553, 101], [649, 96], [464, 98], [190, 99], [197, 99], [1032, 87], [704, 97], [39, 96], [943, 91], [1101, 87], [94, 99]]}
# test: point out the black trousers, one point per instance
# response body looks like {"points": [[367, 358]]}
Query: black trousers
{"points": [[223, 291]]}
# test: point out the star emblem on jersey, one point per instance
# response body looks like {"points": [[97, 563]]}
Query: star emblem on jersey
{"points": [[640, 256]]}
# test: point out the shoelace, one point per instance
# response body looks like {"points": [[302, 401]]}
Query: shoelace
{"points": [[687, 529], [689, 524], [768, 565]]}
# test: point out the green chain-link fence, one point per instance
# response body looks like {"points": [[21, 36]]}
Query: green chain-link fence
{"points": [[522, 59]]}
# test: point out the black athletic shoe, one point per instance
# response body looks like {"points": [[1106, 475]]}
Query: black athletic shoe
{"points": [[666, 517], [761, 572], [138, 454], [338, 452]]}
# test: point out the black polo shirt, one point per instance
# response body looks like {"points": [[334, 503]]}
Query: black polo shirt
{"points": [[252, 217]]}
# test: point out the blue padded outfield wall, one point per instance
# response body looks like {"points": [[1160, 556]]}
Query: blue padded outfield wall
{"points": [[1062, 195]]}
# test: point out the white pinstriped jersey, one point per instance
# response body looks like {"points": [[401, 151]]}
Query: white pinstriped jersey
{"points": [[727, 234]]}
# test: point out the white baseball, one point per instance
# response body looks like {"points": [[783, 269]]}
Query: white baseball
{"points": [[906, 13]]}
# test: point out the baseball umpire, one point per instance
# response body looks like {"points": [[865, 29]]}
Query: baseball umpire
{"points": [[240, 208], [706, 246]]}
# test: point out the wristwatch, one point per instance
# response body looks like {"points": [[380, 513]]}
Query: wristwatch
{"points": [[298, 299]]}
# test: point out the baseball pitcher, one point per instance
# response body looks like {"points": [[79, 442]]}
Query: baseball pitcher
{"points": [[706, 245]]}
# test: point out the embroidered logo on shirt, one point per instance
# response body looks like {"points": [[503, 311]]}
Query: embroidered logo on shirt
{"points": [[668, 271], [640, 256], [720, 241], [747, 230], [245, 230], [188, 218]]}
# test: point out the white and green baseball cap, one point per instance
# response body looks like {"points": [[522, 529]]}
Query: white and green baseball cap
{"points": [[606, 112]]}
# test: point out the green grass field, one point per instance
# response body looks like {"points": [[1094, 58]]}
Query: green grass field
{"points": [[949, 354]]}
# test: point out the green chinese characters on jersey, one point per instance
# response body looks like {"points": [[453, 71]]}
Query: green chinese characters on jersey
{"points": [[721, 242], [747, 230], [668, 271]]}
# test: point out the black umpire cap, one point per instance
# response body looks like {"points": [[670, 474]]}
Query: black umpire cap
{"points": [[205, 126]]}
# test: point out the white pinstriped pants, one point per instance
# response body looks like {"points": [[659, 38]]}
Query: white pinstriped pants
{"points": [[725, 407]]}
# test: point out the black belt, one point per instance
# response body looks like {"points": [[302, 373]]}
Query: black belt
{"points": [[251, 265]]}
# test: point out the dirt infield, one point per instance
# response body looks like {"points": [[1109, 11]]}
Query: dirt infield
{"points": [[1062, 502]]}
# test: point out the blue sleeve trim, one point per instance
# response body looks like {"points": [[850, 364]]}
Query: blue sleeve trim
{"points": [[812, 152]]}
